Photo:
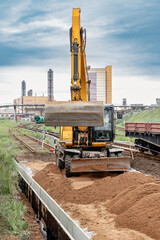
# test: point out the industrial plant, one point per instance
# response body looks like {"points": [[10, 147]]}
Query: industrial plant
{"points": [[84, 168]]}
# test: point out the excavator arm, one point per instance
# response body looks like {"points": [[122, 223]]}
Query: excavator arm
{"points": [[86, 127], [79, 111], [78, 59]]}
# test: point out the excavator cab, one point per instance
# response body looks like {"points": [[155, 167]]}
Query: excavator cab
{"points": [[85, 149], [106, 132]]}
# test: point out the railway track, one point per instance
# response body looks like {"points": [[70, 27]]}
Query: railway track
{"points": [[117, 144], [36, 128], [132, 148], [33, 144]]}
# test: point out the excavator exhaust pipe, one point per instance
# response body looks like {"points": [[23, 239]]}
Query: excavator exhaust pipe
{"points": [[75, 113]]}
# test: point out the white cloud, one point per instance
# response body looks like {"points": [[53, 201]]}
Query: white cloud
{"points": [[32, 24], [36, 79], [35, 25], [137, 89]]}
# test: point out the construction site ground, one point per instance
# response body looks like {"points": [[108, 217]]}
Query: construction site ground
{"points": [[109, 205]]}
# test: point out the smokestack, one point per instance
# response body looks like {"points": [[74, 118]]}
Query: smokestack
{"points": [[50, 85], [30, 92], [23, 84], [124, 101], [158, 101]]}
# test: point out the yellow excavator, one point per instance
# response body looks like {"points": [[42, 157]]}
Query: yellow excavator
{"points": [[87, 128]]}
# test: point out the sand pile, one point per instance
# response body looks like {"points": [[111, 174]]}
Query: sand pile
{"points": [[133, 197], [60, 188], [138, 208]]}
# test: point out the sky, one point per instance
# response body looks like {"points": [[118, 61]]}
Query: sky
{"points": [[34, 36]]}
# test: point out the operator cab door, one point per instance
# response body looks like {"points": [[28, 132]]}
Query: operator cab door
{"points": [[106, 132]]}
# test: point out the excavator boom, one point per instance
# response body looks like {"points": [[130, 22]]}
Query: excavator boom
{"points": [[86, 127]]}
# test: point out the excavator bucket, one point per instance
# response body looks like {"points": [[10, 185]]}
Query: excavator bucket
{"points": [[100, 164], [75, 113]]}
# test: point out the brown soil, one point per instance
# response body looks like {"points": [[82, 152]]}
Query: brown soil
{"points": [[101, 189], [103, 202], [139, 208], [147, 166], [31, 157], [98, 219], [112, 206], [9, 237], [33, 227]]}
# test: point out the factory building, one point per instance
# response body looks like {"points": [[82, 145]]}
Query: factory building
{"points": [[101, 84], [30, 100], [34, 100]]}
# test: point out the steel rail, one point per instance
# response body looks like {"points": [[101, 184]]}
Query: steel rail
{"points": [[125, 145], [135, 146], [125, 148], [37, 140], [36, 129], [65, 223], [23, 142], [134, 150]]}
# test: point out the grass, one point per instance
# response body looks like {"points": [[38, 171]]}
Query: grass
{"points": [[42, 126], [34, 134], [52, 129], [38, 136], [11, 209], [139, 116], [145, 116]]}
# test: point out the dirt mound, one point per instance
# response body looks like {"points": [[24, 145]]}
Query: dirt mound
{"points": [[144, 165], [50, 168], [133, 197], [127, 198], [139, 209], [60, 187]]}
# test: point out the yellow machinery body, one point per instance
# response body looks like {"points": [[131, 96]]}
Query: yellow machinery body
{"points": [[79, 91], [86, 127]]}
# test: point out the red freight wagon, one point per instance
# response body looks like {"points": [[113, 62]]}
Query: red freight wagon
{"points": [[142, 127], [147, 135]]}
